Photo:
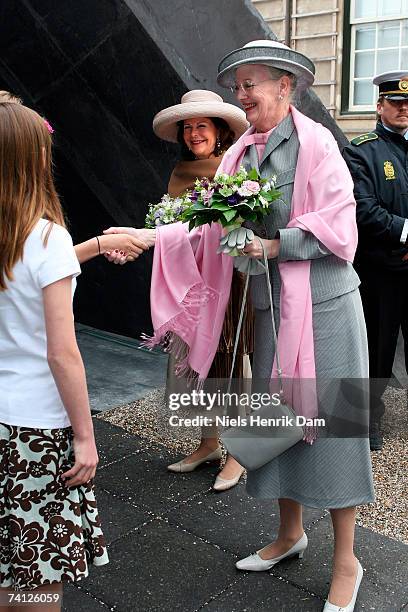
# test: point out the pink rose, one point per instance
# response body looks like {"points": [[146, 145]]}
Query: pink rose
{"points": [[249, 188]]}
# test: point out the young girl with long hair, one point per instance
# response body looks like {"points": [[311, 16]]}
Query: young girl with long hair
{"points": [[49, 526], [114, 245]]}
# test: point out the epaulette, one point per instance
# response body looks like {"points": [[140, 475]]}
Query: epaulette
{"points": [[364, 138]]}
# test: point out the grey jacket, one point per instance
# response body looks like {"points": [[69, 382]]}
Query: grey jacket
{"points": [[330, 276]]}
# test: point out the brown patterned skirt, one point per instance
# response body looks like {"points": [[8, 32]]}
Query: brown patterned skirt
{"points": [[48, 532]]}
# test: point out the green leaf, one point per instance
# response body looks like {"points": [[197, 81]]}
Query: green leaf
{"points": [[220, 206], [229, 215], [253, 174], [251, 203], [226, 191]]}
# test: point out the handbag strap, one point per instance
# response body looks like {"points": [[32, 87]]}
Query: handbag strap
{"points": [[241, 317]]}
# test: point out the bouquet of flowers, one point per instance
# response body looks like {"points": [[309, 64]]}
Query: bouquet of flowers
{"points": [[230, 200], [168, 210]]}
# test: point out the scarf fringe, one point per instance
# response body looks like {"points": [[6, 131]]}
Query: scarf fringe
{"points": [[311, 433], [170, 335]]}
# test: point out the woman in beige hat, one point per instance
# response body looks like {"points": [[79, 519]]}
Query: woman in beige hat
{"points": [[205, 127]]}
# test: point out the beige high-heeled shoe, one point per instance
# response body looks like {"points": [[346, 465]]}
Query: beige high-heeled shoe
{"points": [[255, 563], [182, 466], [222, 484]]}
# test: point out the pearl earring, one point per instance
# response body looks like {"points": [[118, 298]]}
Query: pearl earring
{"points": [[280, 97]]}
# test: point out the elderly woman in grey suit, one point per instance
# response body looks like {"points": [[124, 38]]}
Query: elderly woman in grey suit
{"points": [[330, 473], [333, 473]]}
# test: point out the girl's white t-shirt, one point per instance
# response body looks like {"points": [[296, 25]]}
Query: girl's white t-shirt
{"points": [[28, 393]]}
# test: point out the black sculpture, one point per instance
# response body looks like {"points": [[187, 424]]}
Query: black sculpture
{"points": [[99, 71]]}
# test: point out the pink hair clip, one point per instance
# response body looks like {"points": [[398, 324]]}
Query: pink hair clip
{"points": [[49, 126]]}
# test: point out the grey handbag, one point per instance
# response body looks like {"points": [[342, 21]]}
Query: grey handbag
{"points": [[251, 444]]}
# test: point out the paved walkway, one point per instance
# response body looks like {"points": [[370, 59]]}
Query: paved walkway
{"points": [[173, 541]]}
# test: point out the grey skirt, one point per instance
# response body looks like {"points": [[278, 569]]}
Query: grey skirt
{"points": [[332, 472]]}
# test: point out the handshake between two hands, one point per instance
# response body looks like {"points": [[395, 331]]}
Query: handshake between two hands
{"points": [[123, 244]]}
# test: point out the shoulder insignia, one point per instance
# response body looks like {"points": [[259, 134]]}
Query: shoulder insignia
{"points": [[364, 138]]}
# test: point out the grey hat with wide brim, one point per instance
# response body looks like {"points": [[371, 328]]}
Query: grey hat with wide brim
{"points": [[268, 53]]}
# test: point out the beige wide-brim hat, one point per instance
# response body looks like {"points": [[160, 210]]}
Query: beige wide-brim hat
{"points": [[198, 103], [268, 53]]}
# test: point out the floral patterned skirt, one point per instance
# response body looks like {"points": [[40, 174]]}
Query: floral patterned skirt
{"points": [[48, 532]]}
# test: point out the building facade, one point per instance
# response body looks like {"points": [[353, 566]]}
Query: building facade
{"points": [[349, 41]]}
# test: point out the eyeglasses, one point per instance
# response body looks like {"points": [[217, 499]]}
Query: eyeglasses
{"points": [[247, 85]]}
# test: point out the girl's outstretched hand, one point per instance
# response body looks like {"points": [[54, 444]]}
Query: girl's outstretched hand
{"points": [[145, 238]]}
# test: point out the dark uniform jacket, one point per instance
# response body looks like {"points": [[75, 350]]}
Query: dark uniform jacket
{"points": [[378, 163]]}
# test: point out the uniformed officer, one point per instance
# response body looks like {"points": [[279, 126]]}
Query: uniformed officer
{"points": [[378, 162]]}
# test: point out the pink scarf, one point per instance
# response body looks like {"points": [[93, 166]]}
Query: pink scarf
{"points": [[259, 139], [191, 283], [189, 294]]}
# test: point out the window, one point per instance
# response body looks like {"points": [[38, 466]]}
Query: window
{"points": [[378, 43]]}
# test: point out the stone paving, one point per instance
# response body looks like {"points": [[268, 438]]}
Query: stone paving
{"points": [[173, 541]]}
